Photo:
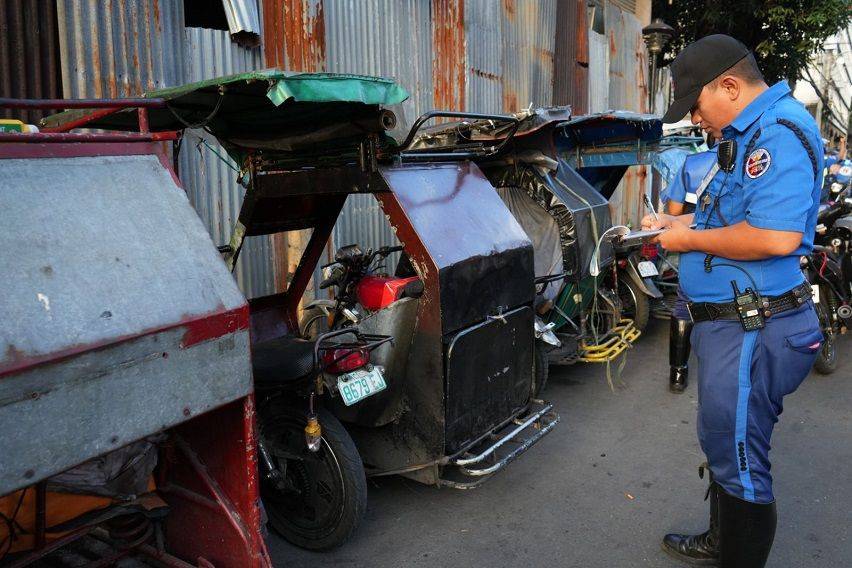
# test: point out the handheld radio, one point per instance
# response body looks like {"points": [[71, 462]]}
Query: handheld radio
{"points": [[749, 308]]}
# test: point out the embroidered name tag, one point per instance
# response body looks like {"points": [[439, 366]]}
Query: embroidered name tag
{"points": [[757, 163]]}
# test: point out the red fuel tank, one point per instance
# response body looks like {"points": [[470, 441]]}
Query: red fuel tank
{"points": [[377, 292]]}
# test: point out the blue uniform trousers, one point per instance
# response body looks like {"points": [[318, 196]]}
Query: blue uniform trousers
{"points": [[743, 378]]}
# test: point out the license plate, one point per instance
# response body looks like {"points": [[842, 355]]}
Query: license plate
{"points": [[358, 385], [648, 269], [815, 290]]}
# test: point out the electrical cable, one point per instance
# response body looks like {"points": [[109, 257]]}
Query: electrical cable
{"points": [[205, 120]]}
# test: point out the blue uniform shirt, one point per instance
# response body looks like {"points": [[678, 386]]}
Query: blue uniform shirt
{"points": [[696, 166], [773, 186]]}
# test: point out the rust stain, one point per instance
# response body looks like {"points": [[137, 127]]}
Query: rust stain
{"points": [[510, 9], [613, 49], [294, 33], [510, 100], [157, 15], [304, 36], [449, 60], [544, 54]]}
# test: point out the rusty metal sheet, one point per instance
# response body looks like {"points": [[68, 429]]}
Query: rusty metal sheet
{"points": [[529, 35], [571, 56], [294, 34], [448, 46], [484, 52], [119, 48], [294, 39]]}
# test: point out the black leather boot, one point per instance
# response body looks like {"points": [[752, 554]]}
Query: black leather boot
{"points": [[747, 531], [679, 347], [701, 549]]}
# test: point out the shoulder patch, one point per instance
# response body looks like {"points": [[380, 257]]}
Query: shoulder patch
{"points": [[758, 163]]}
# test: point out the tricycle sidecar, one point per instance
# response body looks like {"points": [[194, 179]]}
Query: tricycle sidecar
{"points": [[126, 399], [548, 176]]}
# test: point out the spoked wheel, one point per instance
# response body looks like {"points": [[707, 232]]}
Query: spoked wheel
{"points": [[635, 305], [315, 500], [826, 361]]}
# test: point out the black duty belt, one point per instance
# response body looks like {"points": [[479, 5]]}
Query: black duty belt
{"points": [[708, 311]]}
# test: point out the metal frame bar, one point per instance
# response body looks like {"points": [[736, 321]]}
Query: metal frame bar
{"points": [[427, 155], [55, 104], [58, 137], [535, 417], [104, 107]]}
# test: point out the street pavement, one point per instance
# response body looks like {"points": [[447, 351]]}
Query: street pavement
{"points": [[618, 472]]}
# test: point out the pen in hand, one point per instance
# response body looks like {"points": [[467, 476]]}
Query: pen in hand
{"points": [[650, 206]]}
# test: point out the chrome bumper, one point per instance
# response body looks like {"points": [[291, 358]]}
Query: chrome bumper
{"points": [[500, 448]]}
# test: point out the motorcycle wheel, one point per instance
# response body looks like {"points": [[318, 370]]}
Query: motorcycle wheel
{"points": [[634, 303], [541, 368], [320, 497], [826, 361]]}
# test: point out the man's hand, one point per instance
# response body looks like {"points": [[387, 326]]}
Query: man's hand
{"points": [[676, 238], [651, 224]]}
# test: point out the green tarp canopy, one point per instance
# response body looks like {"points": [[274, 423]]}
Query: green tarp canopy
{"points": [[270, 110]]}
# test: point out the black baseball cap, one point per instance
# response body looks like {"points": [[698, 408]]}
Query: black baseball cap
{"points": [[697, 65]]}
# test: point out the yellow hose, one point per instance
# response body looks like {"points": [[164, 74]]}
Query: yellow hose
{"points": [[614, 343]]}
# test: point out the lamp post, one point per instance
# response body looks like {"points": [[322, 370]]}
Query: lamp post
{"points": [[656, 35]]}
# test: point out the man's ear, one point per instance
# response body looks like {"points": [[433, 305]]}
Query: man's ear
{"points": [[731, 86]]}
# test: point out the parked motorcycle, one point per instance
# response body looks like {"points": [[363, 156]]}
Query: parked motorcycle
{"points": [[636, 287], [312, 480], [362, 287], [829, 270], [837, 183]]}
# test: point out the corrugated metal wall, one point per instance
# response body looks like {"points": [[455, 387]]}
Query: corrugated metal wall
{"points": [[29, 54], [477, 55], [388, 38], [571, 56], [483, 23], [210, 179], [618, 69], [598, 72], [529, 36], [119, 48]]}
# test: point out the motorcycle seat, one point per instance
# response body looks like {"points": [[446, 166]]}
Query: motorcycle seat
{"points": [[283, 360]]}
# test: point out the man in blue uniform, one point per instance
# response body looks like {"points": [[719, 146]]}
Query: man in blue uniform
{"points": [[680, 197], [755, 331]]}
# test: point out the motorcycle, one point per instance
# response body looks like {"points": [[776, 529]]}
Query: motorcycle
{"points": [[312, 480], [829, 271], [837, 183], [362, 288]]}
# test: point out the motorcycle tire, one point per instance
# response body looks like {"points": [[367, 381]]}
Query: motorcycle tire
{"points": [[320, 497], [826, 361], [541, 368], [635, 304]]}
